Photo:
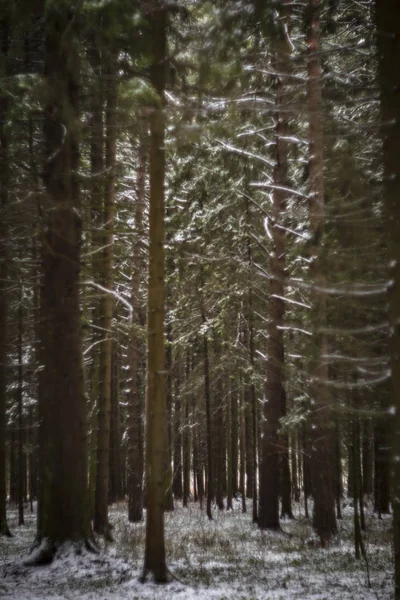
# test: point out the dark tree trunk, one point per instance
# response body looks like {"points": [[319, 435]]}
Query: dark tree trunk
{"points": [[4, 192], [338, 477], [169, 498], [324, 519], [100, 521], [388, 28], [20, 400], [242, 473], [156, 414], [63, 441], [235, 447], [177, 481], [229, 486], [275, 400], [382, 466], [367, 457]]}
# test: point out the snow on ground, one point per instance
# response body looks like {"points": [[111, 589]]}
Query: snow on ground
{"points": [[225, 559]]}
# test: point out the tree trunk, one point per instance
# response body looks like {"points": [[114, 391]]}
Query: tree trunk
{"points": [[388, 26], [63, 441], [367, 457], [156, 434], [381, 463], [20, 400], [135, 408], [274, 403], [4, 191], [324, 519], [177, 481], [242, 473], [100, 521]]}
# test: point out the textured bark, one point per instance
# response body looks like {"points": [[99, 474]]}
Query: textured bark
{"points": [[324, 519], [135, 408], [100, 521], [388, 27], [64, 494], [4, 192], [156, 434], [274, 403]]}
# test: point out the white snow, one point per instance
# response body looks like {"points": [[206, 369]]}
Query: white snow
{"points": [[228, 558]]}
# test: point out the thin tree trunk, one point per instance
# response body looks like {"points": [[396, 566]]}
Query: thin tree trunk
{"points": [[367, 457], [20, 393], [100, 521], [177, 481], [242, 483], [135, 409], [229, 487], [4, 192]]}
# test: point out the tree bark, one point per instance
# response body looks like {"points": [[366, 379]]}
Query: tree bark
{"points": [[63, 440], [388, 29], [324, 519], [100, 521], [156, 434], [135, 409], [274, 402], [4, 193]]}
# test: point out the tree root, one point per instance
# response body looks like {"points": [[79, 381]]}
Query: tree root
{"points": [[44, 550]]}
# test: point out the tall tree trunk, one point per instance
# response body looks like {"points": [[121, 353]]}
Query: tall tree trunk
{"points": [[235, 445], [324, 519], [169, 498], [388, 27], [64, 495], [207, 399], [100, 521], [135, 409], [4, 192], [242, 442], [229, 487], [96, 124], [156, 434], [20, 400], [114, 488], [275, 404]]}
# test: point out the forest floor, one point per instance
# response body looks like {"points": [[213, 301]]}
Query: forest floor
{"points": [[224, 559]]}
